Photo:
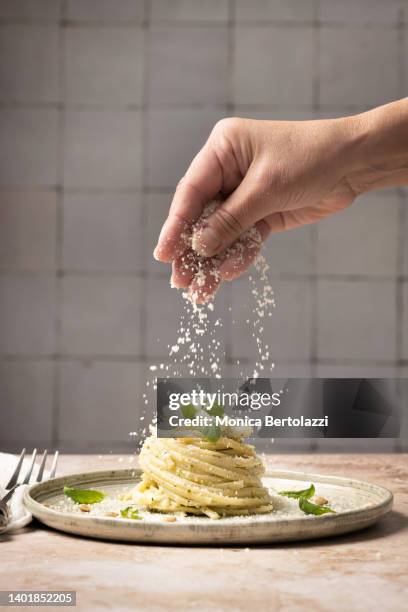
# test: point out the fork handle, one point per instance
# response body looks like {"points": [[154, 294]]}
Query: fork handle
{"points": [[4, 516]]}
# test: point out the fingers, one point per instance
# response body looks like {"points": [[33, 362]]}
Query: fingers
{"points": [[201, 183], [184, 269], [201, 278], [240, 211], [239, 260], [235, 266], [205, 283], [204, 278]]}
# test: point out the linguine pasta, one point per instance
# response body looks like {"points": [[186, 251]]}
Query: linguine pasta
{"points": [[195, 476]]}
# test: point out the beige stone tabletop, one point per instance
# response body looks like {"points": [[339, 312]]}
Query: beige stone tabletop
{"points": [[362, 571]]}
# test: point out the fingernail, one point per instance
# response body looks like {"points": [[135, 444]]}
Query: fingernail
{"points": [[158, 255], [206, 242], [157, 250]]}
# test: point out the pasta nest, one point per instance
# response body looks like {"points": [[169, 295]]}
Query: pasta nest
{"points": [[195, 476]]}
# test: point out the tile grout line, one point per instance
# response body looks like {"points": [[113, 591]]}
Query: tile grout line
{"points": [[146, 32], [136, 273], [59, 227], [401, 210], [100, 107], [152, 190], [230, 110], [402, 217], [399, 291], [231, 52], [314, 314], [162, 23], [314, 322], [138, 358]]}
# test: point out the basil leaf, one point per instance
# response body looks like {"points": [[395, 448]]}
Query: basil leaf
{"points": [[188, 411], [131, 513], [306, 493], [309, 508], [212, 433], [216, 410], [84, 496]]}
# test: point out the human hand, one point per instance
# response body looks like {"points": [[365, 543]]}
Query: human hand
{"points": [[271, 175]]}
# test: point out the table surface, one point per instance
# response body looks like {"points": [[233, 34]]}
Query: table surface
{"points": [[361, 571]]}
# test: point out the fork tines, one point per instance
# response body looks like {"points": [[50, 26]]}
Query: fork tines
{"points": [[40, 476]]}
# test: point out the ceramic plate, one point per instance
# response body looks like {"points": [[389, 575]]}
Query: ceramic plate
{"points": [[358, 505]]}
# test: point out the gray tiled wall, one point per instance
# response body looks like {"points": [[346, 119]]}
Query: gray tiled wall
{"points": [[103, 103]]}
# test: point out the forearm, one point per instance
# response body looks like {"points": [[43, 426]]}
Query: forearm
{"points": [[381, 147]]}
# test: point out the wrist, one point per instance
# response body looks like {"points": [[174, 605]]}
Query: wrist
{"points": [[342, 142], [351, 139], [378, 144]]}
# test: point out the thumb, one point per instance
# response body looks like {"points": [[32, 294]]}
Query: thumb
{"points": [[240, 211]]}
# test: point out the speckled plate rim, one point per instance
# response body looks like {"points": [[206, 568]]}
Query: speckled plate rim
{"points": [[232, 530]]}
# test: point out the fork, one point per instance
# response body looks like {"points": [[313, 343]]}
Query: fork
{"points": [[13, 483]]}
